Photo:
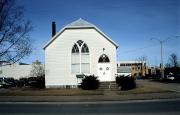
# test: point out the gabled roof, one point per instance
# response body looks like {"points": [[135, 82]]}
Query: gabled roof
{"points": [[80, 23]]}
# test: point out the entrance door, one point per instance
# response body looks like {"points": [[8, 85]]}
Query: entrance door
{"points": [[104, 68]]}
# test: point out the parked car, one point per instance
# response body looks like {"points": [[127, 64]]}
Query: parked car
{"points": [[6, 85], [170, 76], [7, 82]]}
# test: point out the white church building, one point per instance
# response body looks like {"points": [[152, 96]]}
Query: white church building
{"points": [[80, 48]]}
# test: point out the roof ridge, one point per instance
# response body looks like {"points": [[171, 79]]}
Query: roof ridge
{"points": [[80, 23]]}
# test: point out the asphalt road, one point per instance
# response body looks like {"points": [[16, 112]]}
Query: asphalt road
{"points": [[165, 107]]}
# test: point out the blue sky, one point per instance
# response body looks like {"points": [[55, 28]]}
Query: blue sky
{"points": [[130, 23]]}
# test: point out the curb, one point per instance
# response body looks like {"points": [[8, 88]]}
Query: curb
{"points": [[98, 102]]}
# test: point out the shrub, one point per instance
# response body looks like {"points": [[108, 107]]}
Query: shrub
{"points": [[22, 82], [37, 82], [126, 82], [90, 83]]}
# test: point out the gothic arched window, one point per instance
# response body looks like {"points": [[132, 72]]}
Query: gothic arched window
{"points": [[75, 49], [103, 59], [85, 49], [80, 58]]}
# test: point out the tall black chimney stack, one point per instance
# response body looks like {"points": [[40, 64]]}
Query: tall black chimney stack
{"points": [[53, 28]]}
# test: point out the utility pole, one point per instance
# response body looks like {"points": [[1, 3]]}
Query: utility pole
{"points": [[161, 43], [162, 65]]}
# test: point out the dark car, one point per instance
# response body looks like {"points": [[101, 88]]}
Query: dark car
{"points": [[7, 82]]}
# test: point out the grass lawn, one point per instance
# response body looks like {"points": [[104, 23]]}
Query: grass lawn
{"points": [[47, 92]]}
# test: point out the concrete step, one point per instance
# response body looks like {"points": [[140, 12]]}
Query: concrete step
{"points": [[108, 86]]}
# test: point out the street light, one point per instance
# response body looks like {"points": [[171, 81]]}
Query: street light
{"points": [[161, 43]]}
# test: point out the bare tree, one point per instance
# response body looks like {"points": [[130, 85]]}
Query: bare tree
{"points": [[37, 69], [173, 60], [168, 65], [173, 65], [15, 42], [142, 63]]}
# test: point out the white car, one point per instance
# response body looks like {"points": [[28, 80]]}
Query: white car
{"points": [[170, 77]]}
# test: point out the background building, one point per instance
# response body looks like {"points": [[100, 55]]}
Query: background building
{"points": [[16, 71], [132, 68], [21, 70]]}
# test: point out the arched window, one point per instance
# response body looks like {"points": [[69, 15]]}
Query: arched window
{"points": [[80, 58], [103, 59], [85, 49], [75, 49]]}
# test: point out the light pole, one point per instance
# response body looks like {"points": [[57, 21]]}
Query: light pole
{"points": [[161, 43]]}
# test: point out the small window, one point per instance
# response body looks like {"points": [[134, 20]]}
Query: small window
{"points": [[103, 59]]}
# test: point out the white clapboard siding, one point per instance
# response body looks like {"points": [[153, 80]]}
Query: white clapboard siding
{"points": [[58, 55]]}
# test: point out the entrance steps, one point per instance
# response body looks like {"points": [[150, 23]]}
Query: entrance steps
{"points": [[108, 86]]}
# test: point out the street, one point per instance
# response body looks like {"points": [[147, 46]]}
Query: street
{"points": [[165, 107]]}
